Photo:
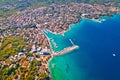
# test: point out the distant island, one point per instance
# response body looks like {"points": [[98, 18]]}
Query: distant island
{"points": [[24, 48]]}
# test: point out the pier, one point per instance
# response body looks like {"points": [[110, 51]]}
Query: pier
{"points": [[71, 42], [65, 50], [54, 43]]}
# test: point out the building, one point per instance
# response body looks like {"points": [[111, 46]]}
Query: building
{"points": [[45, 51]]}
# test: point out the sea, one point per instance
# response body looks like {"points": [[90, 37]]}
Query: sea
{"points": [[98, 56]]}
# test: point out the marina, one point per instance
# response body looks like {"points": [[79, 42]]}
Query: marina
{"points": [[65, 50]]}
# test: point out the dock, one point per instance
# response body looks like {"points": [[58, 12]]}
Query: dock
{"points": [[54, 43], [71, 42]]}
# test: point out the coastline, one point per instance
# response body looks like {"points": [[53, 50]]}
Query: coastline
{"points": [[58, 22], [102, 18], [52, 51], [99, 20], [64, 31]]}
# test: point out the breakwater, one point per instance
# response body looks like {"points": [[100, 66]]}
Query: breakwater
{"points": [[65, 50]]}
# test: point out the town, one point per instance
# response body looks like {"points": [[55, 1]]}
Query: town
{"points": [[56, 18], [29, 25]]}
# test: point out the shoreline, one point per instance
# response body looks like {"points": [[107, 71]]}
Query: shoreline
{"points": [[52, 51], [64, 31], [56, 19]]}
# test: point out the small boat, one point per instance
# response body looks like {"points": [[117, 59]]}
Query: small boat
{"points": [[114, 55]]}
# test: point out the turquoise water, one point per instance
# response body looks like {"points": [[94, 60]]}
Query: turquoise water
{"points": [[94, 59]]}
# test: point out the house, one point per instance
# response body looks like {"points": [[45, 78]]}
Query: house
{"points": [[86, 14], [42, 69], [41, 52], [39, 49], [34, 49], [16, 56], [11, 58], [46, 51], [2, 63], [25, 64], [30, 58], [21, 54]]}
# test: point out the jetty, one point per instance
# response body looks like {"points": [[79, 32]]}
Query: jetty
{"points": [[65, 50], [54, 43], [71, 42]]}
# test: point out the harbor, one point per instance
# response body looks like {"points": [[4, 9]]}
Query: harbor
{"points": [[66, 50]]}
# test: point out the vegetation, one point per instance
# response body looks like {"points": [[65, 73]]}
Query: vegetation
{"points": [[2, 2], [14, 44], [7, 72], [6, 12], [11, 46], [12, 69], [29, 73]]}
